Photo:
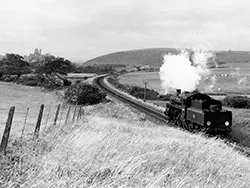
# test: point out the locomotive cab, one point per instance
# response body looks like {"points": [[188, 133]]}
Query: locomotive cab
{"points": [[207, 112]]}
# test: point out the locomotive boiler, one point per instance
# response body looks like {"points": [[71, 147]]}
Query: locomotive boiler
{"points": [[198, 111]]}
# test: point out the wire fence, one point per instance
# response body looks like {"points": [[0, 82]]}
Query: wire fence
{"points": [[22, 120]]}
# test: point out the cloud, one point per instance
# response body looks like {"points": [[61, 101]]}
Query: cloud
{"points": [[87, 28]]}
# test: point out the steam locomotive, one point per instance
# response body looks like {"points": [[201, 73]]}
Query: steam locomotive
{"points": [[198, 111]]}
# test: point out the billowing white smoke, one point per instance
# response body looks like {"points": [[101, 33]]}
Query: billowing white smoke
{"points": [[242, 81], [213, 81], [185, 70]]}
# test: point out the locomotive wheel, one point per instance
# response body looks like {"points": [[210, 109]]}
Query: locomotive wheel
{"points": [[225, 134], [185, 125], [179, 123], [191, 127], [197, 127]]}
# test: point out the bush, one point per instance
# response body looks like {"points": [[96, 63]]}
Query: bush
{"points": [[38, 80], [165, 97], [49, 82], [139, 92], [85, 94], [237, 101]]}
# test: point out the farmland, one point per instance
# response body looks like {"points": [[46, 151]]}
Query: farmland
{"points": [[23, 97], [231, 78]]}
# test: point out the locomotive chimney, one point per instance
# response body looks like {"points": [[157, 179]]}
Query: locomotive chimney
{"points": [[178, 91]]}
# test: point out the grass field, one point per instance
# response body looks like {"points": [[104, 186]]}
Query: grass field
{"points": [[111, 147], [237, 79], [23, 97]]}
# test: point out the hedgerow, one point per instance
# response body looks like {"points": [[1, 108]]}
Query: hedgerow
{"points": [[237, 101], [84, 94], [135, 91]]}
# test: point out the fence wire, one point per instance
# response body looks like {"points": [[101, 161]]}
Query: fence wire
{"points": [[25, 118]]}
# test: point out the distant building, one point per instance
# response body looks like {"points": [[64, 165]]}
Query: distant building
{"points": [[146, 67], [38, 52], [34, 57]]}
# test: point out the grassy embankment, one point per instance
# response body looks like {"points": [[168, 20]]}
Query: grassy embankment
{"points": [[111, 147]]}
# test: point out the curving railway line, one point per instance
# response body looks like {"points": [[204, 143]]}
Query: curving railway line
{"points": [[159, 115], [153, 112]]}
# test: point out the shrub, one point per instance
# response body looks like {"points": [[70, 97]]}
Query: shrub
{"points": [[135, 91], [237, 101], [165, 97], [85, 94], [139, 92], [38, 80], [49, 82]]}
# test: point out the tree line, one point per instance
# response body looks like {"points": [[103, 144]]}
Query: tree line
{"points": [[14, 64]]}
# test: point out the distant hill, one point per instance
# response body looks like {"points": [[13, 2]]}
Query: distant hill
{"points": [[233, 56], [154, 56]]}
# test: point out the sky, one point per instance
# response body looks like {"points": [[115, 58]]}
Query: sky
{"points": [[84, 29]]}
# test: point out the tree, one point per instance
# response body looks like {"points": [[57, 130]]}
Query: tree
{"points": [[52, 64], [13, 64]]}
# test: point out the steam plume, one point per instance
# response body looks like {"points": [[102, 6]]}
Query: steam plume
{"points": [[242, 81], [185, 70]]}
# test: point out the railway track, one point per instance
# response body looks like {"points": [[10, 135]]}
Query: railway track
{"points": [[146, 109], [157, 114]]}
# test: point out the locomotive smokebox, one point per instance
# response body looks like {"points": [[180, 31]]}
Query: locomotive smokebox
{"points": [[178, 91]]}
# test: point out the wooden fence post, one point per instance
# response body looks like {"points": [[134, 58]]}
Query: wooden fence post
{"points": [[24, 124], [82, 112], [73, 119], [66, 121], [57, 112], [6, 133], [39, 119], [47, 118], [60, 118], [79, 116]]}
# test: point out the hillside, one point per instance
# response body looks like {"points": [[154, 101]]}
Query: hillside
{"points": [[153, 57], [233, 56], [112, 147]]}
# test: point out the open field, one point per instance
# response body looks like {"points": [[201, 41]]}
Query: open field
{"points": [[111, 147], [23, 97], [233, 78]]}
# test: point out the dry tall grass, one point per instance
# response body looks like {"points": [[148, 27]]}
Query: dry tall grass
{"points": [[111, 147]]}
